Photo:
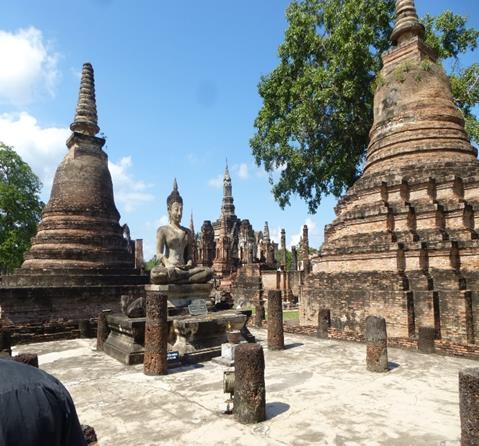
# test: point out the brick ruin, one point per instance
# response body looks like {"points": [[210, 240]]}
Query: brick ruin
{"points": [[403, 244], [81, 259]]}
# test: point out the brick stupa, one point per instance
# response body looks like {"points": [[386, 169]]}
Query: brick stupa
{"points": [[403, 244], [80, 260]]}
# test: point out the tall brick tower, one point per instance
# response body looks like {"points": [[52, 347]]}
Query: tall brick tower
{"points": [[80, 224], [81, 260], [403, 244]]}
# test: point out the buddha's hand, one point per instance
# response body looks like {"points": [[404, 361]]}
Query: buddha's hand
{"points": [[189, 264]]}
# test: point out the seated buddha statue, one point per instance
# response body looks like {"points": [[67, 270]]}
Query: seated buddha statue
{"points": [[174, 249]]}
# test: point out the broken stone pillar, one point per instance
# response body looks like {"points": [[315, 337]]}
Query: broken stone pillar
{"points": [[259, 314], [324, 323], [84, 327], [156, 334], [102, 330], [294, 258], [139, 258], [425, 342], [5, 343], [27, 358], [250, 393], [469, 406], [275, 321], [283, 249], [377, 340]]}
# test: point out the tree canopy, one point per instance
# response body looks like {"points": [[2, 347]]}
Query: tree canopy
{"points": [[20, 208], [312, 130]]}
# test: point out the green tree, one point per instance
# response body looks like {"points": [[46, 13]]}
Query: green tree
{"points": [[20, 208], [312, 130]]}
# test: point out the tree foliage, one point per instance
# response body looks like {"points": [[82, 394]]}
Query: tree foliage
{"points": [[312, 130], [20, 208]]}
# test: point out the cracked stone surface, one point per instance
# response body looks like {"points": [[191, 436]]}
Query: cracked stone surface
{"points": [[317, 392]]}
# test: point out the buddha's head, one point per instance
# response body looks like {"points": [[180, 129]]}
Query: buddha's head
{"points": [[174, 203]]}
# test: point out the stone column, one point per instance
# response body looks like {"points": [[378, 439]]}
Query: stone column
{"points": [[250, 393], [469, 406], [139, 259], [259, 314], [156, 334], [275, 321], [5, 342], [324, 323], [84, 327], [425, 342], [102, 331], [377, 340]]}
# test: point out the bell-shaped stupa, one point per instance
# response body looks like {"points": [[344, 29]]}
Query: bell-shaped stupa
{"points": [[80, 231], [404, 243]]}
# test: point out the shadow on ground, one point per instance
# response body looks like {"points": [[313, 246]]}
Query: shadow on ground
{"points": [[275, 409]]}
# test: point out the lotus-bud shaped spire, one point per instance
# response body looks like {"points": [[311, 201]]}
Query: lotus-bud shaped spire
{"points": [[86, 119], [407, 22]]}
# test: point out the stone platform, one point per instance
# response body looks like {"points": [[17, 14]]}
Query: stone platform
{"points": [[196, 338], [318, 392]]}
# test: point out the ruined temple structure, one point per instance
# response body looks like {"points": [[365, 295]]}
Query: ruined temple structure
{"points": [[403, 244], [81, 259]]}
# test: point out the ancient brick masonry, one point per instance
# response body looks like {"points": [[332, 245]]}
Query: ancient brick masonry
{"points": [[80, 260], [404, 244], [469, 406]]}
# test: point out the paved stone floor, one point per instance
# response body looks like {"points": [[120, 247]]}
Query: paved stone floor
{"points": [[318, 392]]}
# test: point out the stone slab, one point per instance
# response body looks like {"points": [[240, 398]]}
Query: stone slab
{"points": [[317, 392]]}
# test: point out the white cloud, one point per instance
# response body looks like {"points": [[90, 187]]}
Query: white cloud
{"points": [[29, 68], [129, 191], [216, 182], [275, 234], [312, 232], [241, 170], [41, 147]]}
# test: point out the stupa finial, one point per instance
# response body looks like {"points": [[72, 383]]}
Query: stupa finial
{"points": [[86, 119], [407, 22]]}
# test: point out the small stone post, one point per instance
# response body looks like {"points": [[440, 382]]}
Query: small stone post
{"points": [[102, 331], [5, 342], [84, 327], [324, 323], [469, 406], [377, 340], [156, 334], [27, 358], [275, 321], [425, 342], [259, 314], [250, 392]]}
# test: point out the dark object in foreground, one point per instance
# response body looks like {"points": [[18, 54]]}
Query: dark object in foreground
{"points": [[469, 406], [27, 358], [249, 387], [89, 434], [35, 408], [377, 348]]}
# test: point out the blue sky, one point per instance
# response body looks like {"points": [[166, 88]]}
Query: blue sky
{"points": [[176, 95]]}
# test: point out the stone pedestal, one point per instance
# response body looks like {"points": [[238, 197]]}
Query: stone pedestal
{"points": [[377, 350], [195, 338], [227, 357], [275, 321], [126, 339], [156, 334], [469, 406], [250, 393], [425, 342]]}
